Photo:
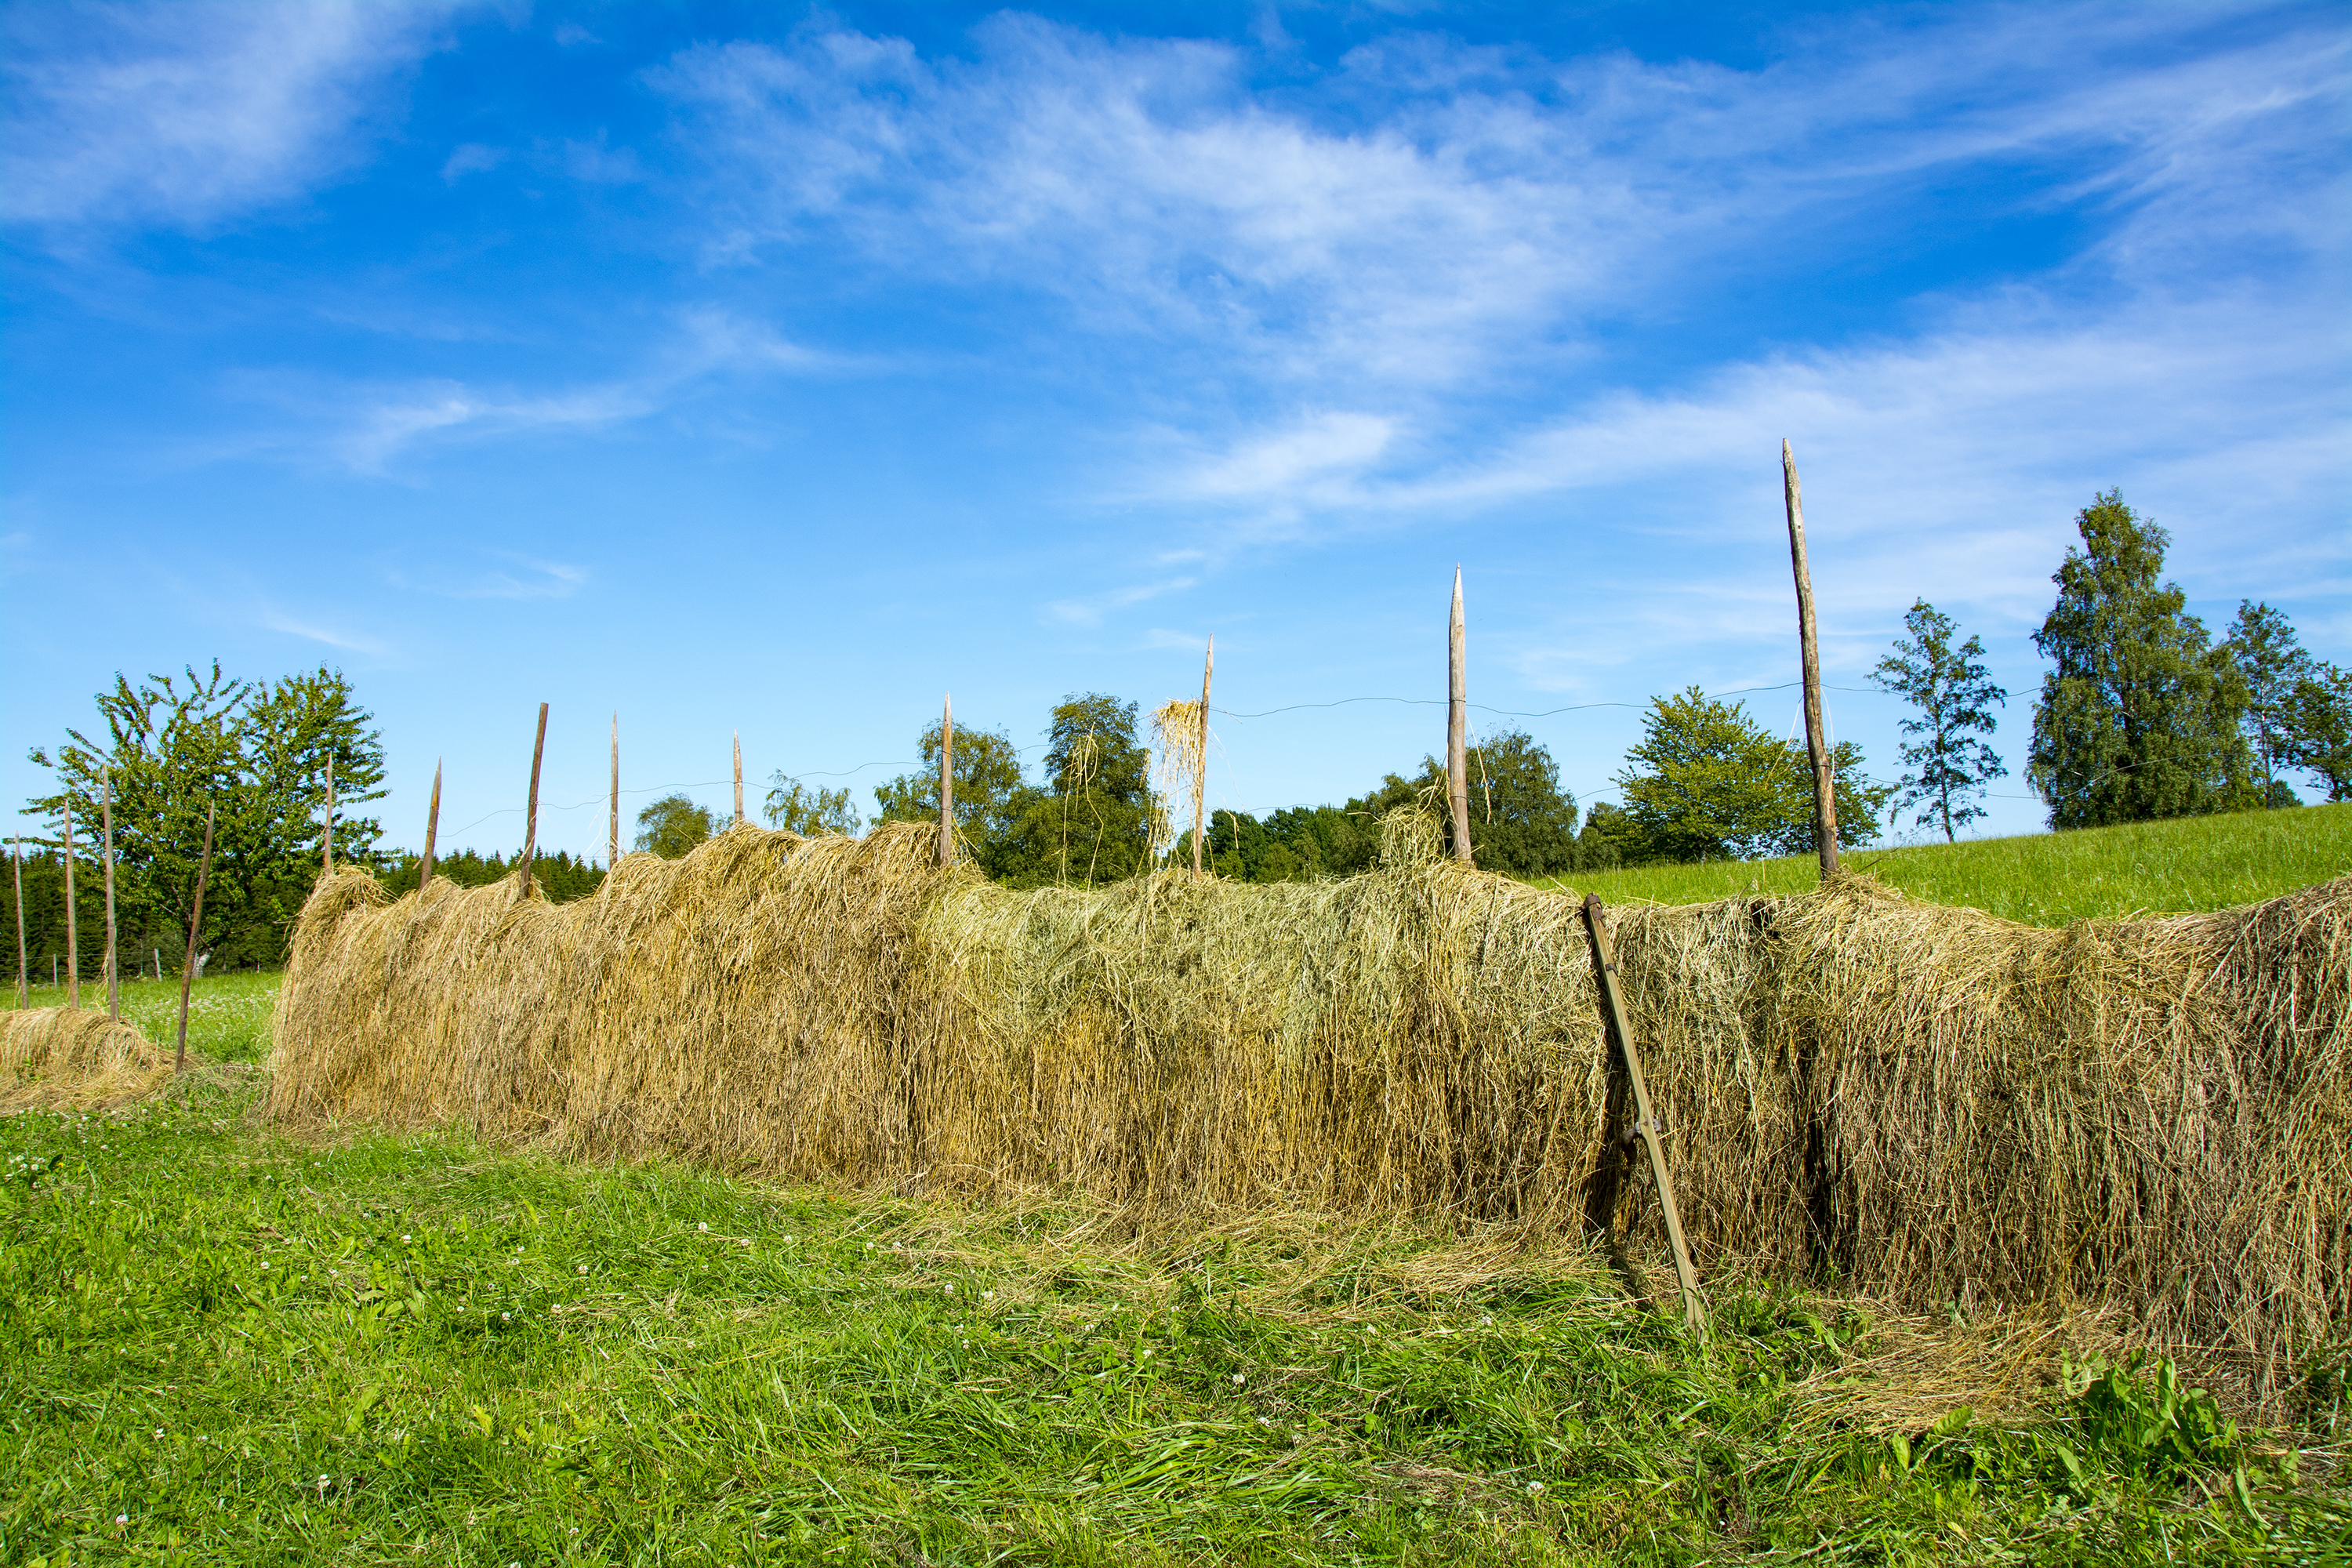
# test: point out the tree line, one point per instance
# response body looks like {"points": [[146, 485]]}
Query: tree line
{"points": [[2143, 713]]}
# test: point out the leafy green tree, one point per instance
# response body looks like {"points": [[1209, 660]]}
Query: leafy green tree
{"points": [[988, 788], [2139, 719], [2274, 665], [2322, 735], [559, 878], [672, 826], [1093, 821], [1708, 782], [1954, 696], [1522, 823], [808, 810], [257, 751], [1610, 837]]}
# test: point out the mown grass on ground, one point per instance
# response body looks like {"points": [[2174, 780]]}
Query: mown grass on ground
{"points": [[224, 1346], [2047, 879]]}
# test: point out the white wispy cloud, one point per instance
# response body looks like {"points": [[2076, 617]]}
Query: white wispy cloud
{"points": [[189, 112], [1089, 610], [311, 631], [510, 575], [1430, 210]]}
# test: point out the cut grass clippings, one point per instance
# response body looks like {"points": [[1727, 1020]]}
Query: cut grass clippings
{"points": [[228, 1345]]}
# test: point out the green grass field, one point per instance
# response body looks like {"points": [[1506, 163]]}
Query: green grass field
{"points": [[221, 1345], [2049, 879]]}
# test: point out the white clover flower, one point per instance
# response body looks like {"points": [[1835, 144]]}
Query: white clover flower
{"points": [[406, 1237], [1238, 1380], [1534, 1487], [704, 1225], [584, 1268], [948, 1290], [988, 1295]]}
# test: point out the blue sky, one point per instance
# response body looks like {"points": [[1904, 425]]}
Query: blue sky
{"points": [[740, 367]]}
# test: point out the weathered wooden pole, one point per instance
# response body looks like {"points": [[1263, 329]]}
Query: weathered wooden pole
{"points": [[73, 934], [1201, 764], [531, 807], [613, 851], [24, 974], [195, 924], [1645, 1125], [432, 831], [738, 778], [1808, 643], [1457, 728], [106, 831], [947, 780], [327, 828]]}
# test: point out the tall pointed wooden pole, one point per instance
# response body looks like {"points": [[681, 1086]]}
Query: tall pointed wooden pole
{"points": [[73, 933], [947, 780], [613, 849], [1457, 728], [24, 975], [1808, 643], [530, 810], [106, 830], [1201, 766], [327, 828], [195, 924], [432, 831]]}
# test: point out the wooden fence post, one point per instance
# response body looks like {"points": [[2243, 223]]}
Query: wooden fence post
{"points": [[24, 975], [106, 831], [1808, 646], [1201, 766], [738, 778], [1457, 728], [947, 779], [1645, 1124], [73, 931], [531, 807], [613, 855], [432, 831], [195, 924], [327, 828]]}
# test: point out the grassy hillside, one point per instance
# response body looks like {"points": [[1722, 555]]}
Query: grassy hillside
{"points": [[2049, 879], [224, 1345]]}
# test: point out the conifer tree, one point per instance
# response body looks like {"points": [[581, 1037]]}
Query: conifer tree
{"points": [[2139, 717]]}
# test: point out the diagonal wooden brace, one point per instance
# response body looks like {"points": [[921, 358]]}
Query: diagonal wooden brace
{"points": [[1647, 1125]]}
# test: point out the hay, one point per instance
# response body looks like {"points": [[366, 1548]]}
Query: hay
{"points": [[59, 1056], [2148, 1118]]}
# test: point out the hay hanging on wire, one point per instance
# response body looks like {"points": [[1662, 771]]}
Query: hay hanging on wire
{"points": [[2152, 1116], [78, 1057], [1180, 741]]}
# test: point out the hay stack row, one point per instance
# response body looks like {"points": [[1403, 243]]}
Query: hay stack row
{"points": [[1926, 1103]]}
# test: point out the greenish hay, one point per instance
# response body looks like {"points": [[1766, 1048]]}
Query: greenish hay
{"points": [[59, 1056], [1931, 1106]]}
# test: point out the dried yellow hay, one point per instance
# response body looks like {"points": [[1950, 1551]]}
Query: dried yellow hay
{"points": [[53, 1057], [1925, 1104]]}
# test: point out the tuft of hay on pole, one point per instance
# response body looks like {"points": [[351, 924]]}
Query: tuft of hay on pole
{"points": [[1925, 1104], [59, 1056]]}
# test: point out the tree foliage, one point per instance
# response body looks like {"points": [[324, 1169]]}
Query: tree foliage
{"points": [[1708, 782], [672, 826], [2323, 727], [257, 751], [1091, 821], [1954, 696], [559, 878], [988, 786], [809, 810], [2139, 719]]}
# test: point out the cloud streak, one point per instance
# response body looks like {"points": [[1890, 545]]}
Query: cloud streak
{"points": [[187, 115]]}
